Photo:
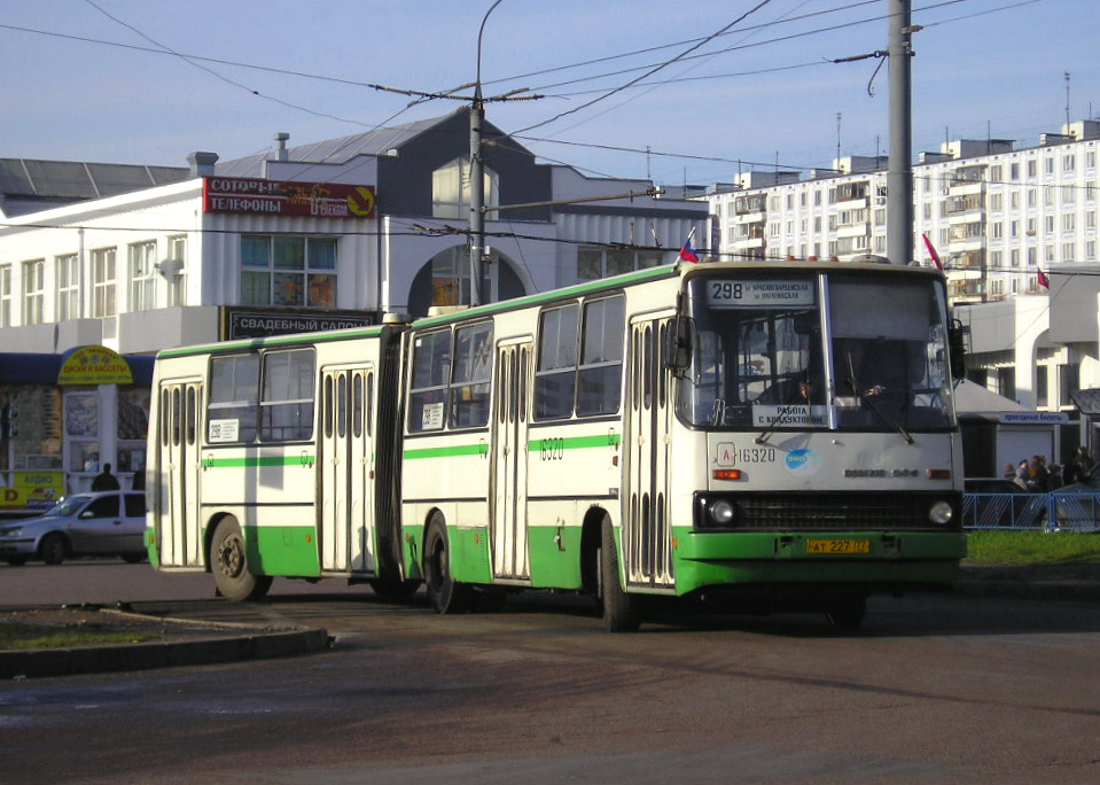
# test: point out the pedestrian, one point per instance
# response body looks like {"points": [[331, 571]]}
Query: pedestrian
{"points": [[1084, 463], [1037, 474], [105, 481], [1022, 474]]}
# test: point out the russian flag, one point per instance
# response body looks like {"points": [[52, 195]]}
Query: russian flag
{"points": [[687, 253]]}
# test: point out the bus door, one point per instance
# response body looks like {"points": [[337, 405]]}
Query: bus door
{"points": [[647, 533], [178, 528], [509, 458], [346, 460]]}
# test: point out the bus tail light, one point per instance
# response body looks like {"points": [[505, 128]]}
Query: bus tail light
{"points": [[727, 474]]}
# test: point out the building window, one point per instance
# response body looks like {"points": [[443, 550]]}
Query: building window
{"points": [[5, 296], [596, 263], [143, 276], [451, 190], [176, 274], [288, 271], [34, 284], [103, 283], [68, 287], [1041, 386], [1069, 380]]}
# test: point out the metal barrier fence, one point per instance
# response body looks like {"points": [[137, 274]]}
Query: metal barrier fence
{"points": [[1052, 511]]}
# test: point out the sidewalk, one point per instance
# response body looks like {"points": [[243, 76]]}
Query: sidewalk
{"points": [[188, 642]]}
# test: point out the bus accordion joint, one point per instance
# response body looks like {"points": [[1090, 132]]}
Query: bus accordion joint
{"points": [[727, 474]]}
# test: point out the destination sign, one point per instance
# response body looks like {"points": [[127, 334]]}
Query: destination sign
{"points": [[760, 293]]}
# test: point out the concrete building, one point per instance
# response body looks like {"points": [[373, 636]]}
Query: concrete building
{"points": [[335, 233]]}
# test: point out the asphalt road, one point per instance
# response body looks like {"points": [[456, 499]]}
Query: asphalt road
{"points": [[934, 689]]}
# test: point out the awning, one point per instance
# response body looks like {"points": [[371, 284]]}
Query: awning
{"points": [[25, 368]]}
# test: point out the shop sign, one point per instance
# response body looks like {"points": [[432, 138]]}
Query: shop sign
{"points": [[286, 197], [255, 323], [94, 365], [33, 491]]}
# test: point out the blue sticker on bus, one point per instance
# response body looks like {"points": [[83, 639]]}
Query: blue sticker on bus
{"points": [[803, 462]]}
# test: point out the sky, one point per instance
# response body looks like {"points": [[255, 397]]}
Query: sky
{"points": [[709, 89]]}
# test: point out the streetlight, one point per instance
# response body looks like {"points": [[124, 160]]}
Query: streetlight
{"points": [[477, 177]]}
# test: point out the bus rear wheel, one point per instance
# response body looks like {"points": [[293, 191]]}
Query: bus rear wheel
{"points": [[444, 593], [229, 563], [620, 610]]}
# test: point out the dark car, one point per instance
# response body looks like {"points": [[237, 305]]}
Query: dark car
{"points": [[110, 523], [998, 503]]}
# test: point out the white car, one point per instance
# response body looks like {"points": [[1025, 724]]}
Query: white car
{"points": [[110, 523]]}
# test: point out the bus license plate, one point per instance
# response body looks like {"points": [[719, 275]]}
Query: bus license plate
{"points": [[815, 547]]}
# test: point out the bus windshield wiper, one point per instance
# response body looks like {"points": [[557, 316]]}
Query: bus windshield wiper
{"points": [[868, 397]]}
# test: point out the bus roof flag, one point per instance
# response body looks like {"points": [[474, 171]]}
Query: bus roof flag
{"points": [[932, 252], [687, 253], [1043, 280]]}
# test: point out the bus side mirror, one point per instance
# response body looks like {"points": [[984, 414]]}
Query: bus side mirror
{"points": [[678, 345], [956, 345]]}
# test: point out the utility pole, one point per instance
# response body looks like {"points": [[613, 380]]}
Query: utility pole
{"points": [[477, 193], [899, 174], [477, 177]]}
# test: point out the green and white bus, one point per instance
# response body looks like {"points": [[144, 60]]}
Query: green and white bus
{"points": [[756, 436]]}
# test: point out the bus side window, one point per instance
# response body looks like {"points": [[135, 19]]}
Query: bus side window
{"points": [[601, 369], [232, 407], [473, 369], [286, 407], [556, 372], [431, 368]]}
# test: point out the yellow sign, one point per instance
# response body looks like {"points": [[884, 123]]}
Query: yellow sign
{"points": [[33, 491], [94, 365], [361, 202]]}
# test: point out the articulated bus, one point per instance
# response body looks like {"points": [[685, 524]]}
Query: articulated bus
{"points": [[750, 436]]}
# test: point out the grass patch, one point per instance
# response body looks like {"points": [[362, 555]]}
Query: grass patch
{"points": [[19, 635], [1022, 548]]}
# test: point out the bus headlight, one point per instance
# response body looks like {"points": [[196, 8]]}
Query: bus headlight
{"points": [[721, 512], [941, 513]]}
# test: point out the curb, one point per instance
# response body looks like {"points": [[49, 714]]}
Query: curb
{"points": [[250, 643]]}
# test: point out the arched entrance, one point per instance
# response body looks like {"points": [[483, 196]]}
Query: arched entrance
{"points": [[445, 280]]}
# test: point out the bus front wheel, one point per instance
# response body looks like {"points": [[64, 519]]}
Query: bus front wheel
{"points": [[229, 563], [444, 593], [620, 610]]}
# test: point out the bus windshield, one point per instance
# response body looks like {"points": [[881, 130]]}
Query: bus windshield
{"points": [[773, 352]]}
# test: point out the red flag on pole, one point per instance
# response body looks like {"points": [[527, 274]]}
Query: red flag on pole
{"points": [[1043, 280], [932, 252]]}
